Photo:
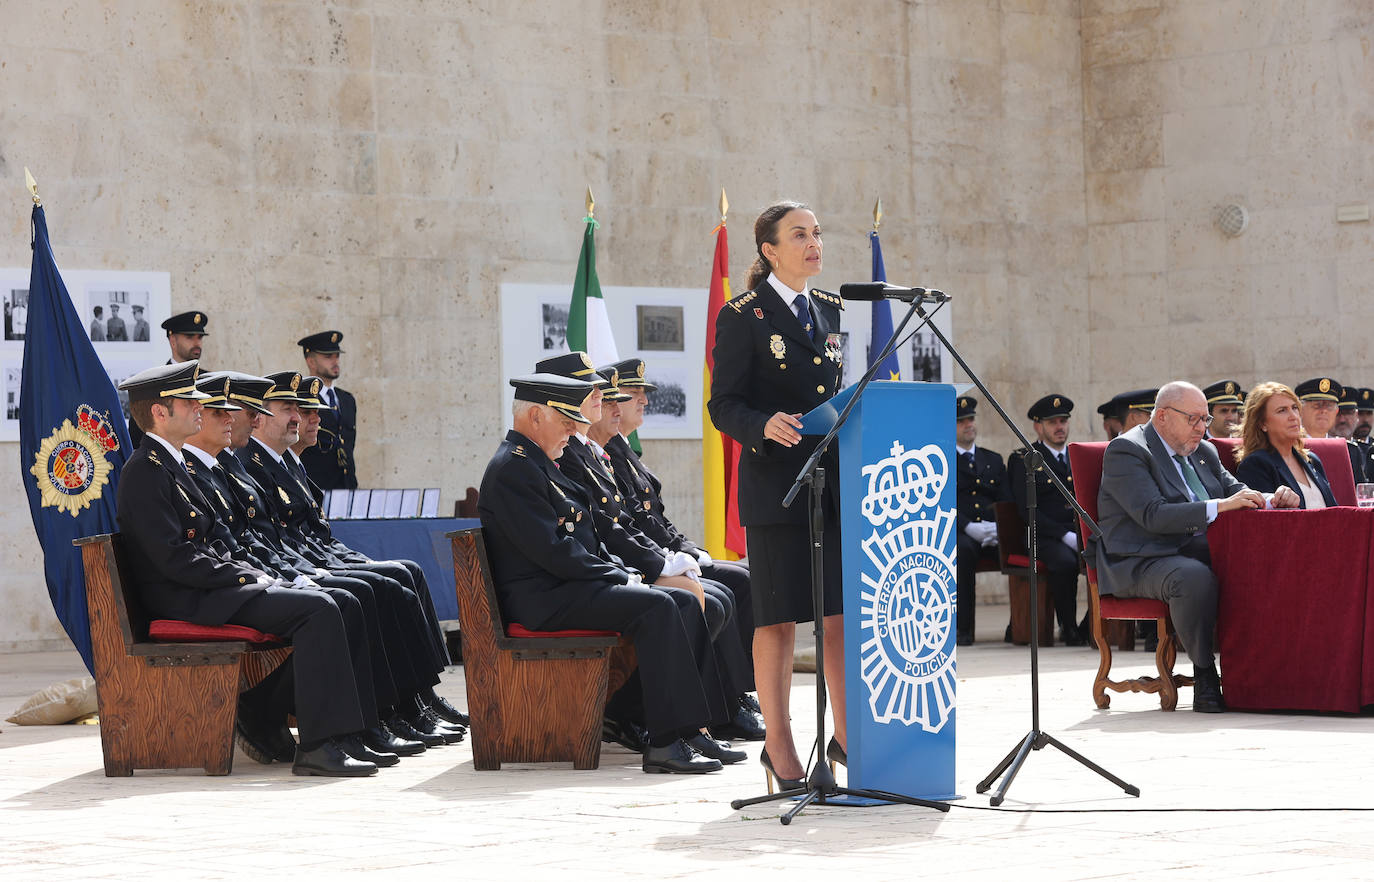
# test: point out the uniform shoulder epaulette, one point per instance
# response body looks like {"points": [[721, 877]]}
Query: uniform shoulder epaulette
{"points": [[737, 303], [827, 297], [518, 450]]}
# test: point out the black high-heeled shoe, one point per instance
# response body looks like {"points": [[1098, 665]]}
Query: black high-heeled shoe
{"points": [[784, 784], [836, 754]]}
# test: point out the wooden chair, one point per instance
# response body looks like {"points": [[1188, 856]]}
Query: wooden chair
{"points": [[163, 705], [467, 506], [533, 697], [1014, 560], [1086, 461]]}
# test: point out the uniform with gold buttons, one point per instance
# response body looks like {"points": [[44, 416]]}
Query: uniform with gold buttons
{"points": [[981, 480]]}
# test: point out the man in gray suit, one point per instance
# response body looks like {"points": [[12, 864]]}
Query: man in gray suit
{"points": [[1162, 484]]}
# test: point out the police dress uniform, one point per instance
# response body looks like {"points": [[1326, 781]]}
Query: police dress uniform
{"points": [[1327, 389], [543, 547], [330, 462], [1054, 517], [180, 574], [767, 361], [981, 482]]}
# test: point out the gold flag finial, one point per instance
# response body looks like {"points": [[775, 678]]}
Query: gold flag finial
{"points": [[591, 204], [877, 213], [32, 185], [724, 205]]}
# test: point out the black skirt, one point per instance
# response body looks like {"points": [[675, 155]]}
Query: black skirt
{"points": [[780, 573]]}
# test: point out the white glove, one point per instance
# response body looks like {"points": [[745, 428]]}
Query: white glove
{"points": [[678, 563], [304, 581], [1071, 540], [635, 581], [979, 531], [321, 574], [991, 537], [265, 581], [703, 558]]}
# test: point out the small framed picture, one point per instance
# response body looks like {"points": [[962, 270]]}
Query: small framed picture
{"points": [[338, 503], [410, 503], [357, 508], [660, 327], [429, 503], [392, 509], [376, 506]]}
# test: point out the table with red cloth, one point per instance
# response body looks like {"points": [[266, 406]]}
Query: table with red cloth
{"points": [[1296, 619]]}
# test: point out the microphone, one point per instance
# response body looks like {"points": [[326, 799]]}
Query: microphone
{"points": [[884, 291]]}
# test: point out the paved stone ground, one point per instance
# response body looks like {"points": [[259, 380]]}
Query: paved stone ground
{"points": [[59, 814]]}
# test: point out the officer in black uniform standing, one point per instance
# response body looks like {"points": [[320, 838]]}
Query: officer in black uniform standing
{"points": [[330, 462], [546, 562], [167, 525], [777, 356], [981, 478], [1056, 521], [185, 331]]}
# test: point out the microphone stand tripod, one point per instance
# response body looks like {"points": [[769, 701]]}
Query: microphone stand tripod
{"points": [[1036, 738], [820, 783]]}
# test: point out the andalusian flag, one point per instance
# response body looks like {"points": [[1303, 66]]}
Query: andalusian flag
{"points": [[882, 320], [589, 328], [719, 452]]}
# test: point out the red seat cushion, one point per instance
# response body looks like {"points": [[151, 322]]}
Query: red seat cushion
{"points": [[1133, 607], [522, 631], [170, 631], [1023, 561]]}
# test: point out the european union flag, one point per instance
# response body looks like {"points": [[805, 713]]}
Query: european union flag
{"points": [[882, 321], [72, 437]]}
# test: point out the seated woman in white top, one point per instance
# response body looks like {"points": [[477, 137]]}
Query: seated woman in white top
{"points": [[1271, 452]]}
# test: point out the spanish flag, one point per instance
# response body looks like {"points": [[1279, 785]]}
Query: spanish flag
{"points": [[719, 452]]}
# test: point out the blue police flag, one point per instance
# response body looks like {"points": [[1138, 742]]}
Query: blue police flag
{"points": [[882, 320], [72, 437]]}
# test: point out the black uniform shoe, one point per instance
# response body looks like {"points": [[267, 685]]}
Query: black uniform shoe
{"points": [[283, 743], [329, 760], [448, 713], [964, 639], [427, 723], [258, 739], [678, 759], [1072, 637], [750, 703], [354, 746], [626, 733], [745, 725], [403, 729], [716, 750], [382, 740], [1207, 691]]}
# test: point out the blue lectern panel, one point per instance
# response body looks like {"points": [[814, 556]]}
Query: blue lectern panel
{"points": [[898, 501]]}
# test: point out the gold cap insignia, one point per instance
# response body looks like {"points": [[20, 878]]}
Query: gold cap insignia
{"points": [[334, 338], [1324, 385], [963, 402], [1230, 388], [315, 388], [296, 383], [226, 387], [640, 370], [198, 319], [586, 362], [1056, 402]]}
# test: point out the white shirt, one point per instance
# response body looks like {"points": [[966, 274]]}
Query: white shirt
{"points": [[962, 450], [209, 461], [176, 454], [1311, 496], [786, 294]]}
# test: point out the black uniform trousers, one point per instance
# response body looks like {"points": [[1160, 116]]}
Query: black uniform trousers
{"points": [[665, 626], [736, 577], [323, 628], [1062, 575], [400, 617], [966, 569]]}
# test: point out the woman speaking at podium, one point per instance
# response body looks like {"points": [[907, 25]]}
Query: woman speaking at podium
{"points": [[777, 356]]}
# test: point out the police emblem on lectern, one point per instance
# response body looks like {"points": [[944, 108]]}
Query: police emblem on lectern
{"points": [[908, 600]]}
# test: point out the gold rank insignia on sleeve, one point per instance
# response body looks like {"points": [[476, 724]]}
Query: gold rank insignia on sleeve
{"points": [[827, 297], [284, 497], [739, 302]]}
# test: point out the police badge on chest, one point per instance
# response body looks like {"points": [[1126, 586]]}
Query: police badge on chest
{"points": [[832, 348]]}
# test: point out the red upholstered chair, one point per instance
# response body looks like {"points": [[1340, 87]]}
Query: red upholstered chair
{"points": [[1014, 559], [1226, 452], [1335, 456], [1086, 461]]}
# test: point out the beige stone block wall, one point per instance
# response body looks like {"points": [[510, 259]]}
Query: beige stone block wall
{"points": [[383, 166]]}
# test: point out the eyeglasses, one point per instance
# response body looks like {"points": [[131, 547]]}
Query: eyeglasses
{"points": [[1192, 418]]}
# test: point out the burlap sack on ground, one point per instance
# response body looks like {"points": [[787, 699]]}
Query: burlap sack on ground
{"points": [[58, 703]]}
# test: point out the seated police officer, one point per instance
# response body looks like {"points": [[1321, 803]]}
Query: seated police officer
{"points": [[414, 643], [582, 463], [1320, 397], [545, 556], [643, 492], [181, 573], [1055, 519], [1224, 402], [981, 479]]}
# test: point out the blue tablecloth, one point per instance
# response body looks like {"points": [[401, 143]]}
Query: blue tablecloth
{"points": [[419, 539]]}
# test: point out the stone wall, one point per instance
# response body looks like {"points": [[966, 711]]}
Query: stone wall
{"points": [[382, 166]]}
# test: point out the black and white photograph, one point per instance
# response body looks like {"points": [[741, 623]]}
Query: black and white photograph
{"points": [[16, 313], [667, 405], [660, 328], [925, 357], [117, 316], [14, 377], [555, 322]]}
